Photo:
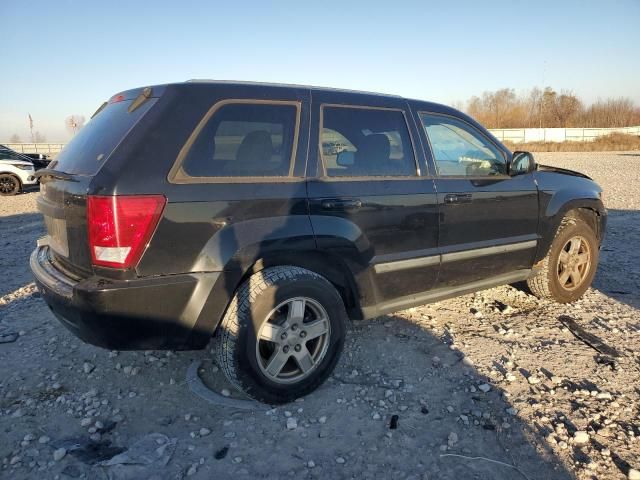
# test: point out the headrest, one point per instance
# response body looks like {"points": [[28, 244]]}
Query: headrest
{"points": [[256, 147]]}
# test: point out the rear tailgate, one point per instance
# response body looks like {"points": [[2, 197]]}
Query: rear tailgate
{"points": [[63, 205], [63, 199]]}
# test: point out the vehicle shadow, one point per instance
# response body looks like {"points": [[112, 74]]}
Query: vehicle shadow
{"points": [[434, 390], [618, 274], [30, 189], [402, 403], [401, 400]]}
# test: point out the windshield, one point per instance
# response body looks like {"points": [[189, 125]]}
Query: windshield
{"points": [[93, 144]]}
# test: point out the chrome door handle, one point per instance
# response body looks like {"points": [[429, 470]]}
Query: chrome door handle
{"points": [[457, 198], [341, 204]]}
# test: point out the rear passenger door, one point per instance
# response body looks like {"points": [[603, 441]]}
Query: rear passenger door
{"points": [[488, 219], [369, 202]]}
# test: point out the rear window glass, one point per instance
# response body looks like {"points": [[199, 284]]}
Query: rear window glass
{"points": [[91, 146], [244, 140]]}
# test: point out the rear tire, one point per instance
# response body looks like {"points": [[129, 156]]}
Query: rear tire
{"points": [[567, 271], [282, 334], [9, 184]]}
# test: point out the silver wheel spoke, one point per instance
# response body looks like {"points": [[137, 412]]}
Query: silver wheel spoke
{"points": [[296, 311], [304, 360], [583, 258], [316, 328], [277, 361], [574, 262], [564, 257], [281, 348], [575, 277], [270, 332], [575, 246]]}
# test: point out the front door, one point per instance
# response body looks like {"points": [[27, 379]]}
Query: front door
{"points": [[488, 219]]}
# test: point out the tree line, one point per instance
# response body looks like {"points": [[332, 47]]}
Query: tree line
{"points": [[37, 138], [548, 108]]}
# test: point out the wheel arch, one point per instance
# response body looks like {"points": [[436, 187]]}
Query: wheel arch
{"points": [[590, 210], [330, 266], [215, 298]]}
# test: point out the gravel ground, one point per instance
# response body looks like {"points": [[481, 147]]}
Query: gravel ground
{"points": [[489, 386]]}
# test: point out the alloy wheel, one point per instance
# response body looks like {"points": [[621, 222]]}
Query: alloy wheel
{"points": [[574, 263], [293, 340], [7, 184]]}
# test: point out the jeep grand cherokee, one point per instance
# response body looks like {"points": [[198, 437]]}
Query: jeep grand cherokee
{"points": [[200, 209]]}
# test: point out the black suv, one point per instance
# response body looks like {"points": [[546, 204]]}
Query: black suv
{"points": [[269, 215]]}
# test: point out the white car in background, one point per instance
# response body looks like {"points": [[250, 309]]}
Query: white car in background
{"points": [[16, 171]]}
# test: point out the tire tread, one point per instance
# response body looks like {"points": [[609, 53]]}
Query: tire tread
{"points": [[227, 332]]}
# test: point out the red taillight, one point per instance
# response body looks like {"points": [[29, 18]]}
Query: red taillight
{"points": [[117, 98], [120, 227]]}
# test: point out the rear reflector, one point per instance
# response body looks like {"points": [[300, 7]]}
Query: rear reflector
{"points": [[120, 227]]}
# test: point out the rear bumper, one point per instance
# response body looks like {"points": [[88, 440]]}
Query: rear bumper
{"points": [[143, 314]]}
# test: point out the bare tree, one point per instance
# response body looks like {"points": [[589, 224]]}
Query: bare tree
{"points": [[499, 109], [533, 107], [501, 103], [15, 138], [546, 108], [548, 100], [567, 106], [39, 138]]}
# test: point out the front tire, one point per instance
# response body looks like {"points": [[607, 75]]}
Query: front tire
{"points": [[282, 334], [9, 184], [567, 271]]}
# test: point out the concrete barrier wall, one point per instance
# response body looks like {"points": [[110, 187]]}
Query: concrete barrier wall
{"points": [[46, 148], [519, 135], [513, 135]]}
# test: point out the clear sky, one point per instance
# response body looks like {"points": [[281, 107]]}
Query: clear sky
{"points": [[66, 56]]}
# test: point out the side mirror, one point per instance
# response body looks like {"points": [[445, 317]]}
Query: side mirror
{"points": [[345, 159], [521, 163]]}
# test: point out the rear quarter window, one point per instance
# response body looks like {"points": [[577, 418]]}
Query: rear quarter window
{"points": [[92, 145], [242, 139]]}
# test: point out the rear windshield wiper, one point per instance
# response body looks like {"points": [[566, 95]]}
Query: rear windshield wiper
{"points": [[47, 172], [140, 99]]}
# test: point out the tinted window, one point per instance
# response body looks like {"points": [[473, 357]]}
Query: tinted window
{"points": [[93, 144], [244, 140], [332, 144], [7, 154], [362, 142], [461, 150]]}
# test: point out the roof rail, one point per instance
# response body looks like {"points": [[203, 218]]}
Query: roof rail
{"points": [[290, 85]]}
